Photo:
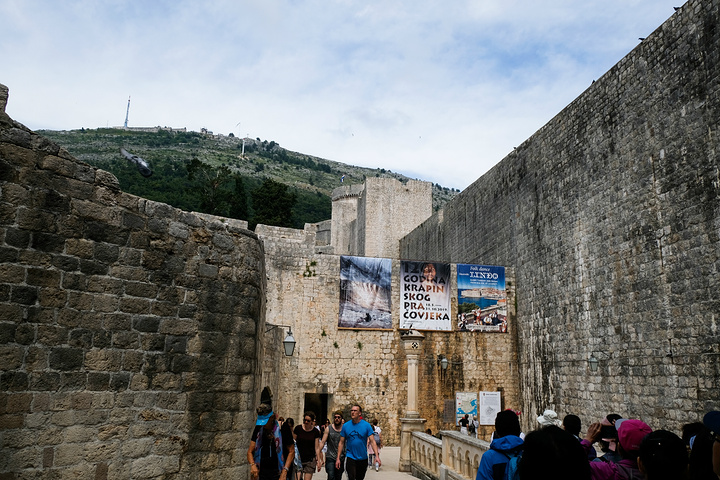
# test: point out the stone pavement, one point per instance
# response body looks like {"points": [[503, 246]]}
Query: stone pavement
{"points": [[390, 457]]}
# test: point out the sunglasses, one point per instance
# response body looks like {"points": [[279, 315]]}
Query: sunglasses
{"points": [[307, 420], [338, 416]]}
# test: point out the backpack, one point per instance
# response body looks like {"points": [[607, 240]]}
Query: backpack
{"points": [[509, 470], [376, 437]]}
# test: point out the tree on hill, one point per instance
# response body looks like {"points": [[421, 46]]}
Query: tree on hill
{"points": [[211, 185], [238, 202], [272, 204]]}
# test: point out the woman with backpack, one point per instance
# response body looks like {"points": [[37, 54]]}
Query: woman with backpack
{"points": [[505, 448], [378, 440], [270, 453]]}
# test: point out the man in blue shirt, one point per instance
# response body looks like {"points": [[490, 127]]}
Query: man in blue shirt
{"points": [[354, 436]]}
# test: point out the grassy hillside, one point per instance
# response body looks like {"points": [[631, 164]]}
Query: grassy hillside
{"points": [[311, 179]]}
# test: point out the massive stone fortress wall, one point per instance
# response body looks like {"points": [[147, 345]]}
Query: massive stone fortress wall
{"points": [[128, 329], [367, 366], [370, 219], [610, 217]]}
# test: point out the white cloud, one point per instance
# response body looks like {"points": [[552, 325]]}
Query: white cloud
{"points": [[441, 91]]}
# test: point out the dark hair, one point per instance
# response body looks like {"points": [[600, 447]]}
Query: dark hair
{"points": [[689, 430], [572, 424], [663, 456], [701, 467], [506, 423], [310, 414], [611, 417], [287, 428], [289, 421], [552, 453]]}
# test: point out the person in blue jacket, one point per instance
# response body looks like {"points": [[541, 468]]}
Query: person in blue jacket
{"points": [[506, 444]]}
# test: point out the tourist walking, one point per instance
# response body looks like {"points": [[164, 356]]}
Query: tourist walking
{"points": [[377, 436], [307, 438], [270, 452], [464, 422], [355, 435], [330, 442]]}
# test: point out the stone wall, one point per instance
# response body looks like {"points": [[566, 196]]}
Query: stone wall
{"points": [[368, 366], [370, 219], [610, 218], [128, 329]]}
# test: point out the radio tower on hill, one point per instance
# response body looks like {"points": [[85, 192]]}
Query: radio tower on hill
{"points": [[127, 113]]}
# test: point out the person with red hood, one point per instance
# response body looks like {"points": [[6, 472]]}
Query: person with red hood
{"points": [[630, 435]]}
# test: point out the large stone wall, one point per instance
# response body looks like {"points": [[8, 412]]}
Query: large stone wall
{"points": [[610, 218], [370, 219], [367, 366], [128, 329]]}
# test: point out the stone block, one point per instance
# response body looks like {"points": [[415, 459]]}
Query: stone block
{"points": [[23, 295], [65, 359], [13, 381], [48, 300], [104, 359], [11, 357], [135, 305], [44, 381]]}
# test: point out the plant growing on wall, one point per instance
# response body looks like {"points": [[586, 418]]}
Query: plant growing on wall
{"points": [[308, 271]]}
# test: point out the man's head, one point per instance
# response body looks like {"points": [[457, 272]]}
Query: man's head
{"points": [[355, 413], [571, 424], [630, 434], [506, 423], [662, 456], [337, 418]]}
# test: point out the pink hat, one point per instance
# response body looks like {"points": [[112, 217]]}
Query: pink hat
{"points": [[631, 433]]}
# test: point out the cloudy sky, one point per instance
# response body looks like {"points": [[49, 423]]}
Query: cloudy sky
{"points": [[436, 90]]}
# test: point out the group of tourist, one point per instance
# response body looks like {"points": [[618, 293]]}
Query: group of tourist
{"points": [[628, 449], [280, 450]]}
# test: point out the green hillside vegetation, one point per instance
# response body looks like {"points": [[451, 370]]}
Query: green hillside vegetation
{"points": [[208, 173]]}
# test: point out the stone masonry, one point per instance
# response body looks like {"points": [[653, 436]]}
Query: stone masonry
{"points": [[128, 329], [367, 366], [610, 217]]}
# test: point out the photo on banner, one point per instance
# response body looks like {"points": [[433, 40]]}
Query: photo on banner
{"points": [[482, 298], [365, 293], [425, 296]]}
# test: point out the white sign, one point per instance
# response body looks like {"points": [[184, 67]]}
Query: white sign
{"points": [[488, 407]]}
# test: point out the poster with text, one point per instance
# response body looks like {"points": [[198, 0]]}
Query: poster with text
{"points": [[489, 407], [482, 298], [465, 403], [365, 293], [425, 296]]}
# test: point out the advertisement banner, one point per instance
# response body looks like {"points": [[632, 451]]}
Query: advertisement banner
{"points": [[365, 293], [482, 298], [425, 296]]}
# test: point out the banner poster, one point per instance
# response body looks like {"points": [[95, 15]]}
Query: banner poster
{"points": [[466, 403], [482, 298], [489, 407], [425, 296], [365, 293]]}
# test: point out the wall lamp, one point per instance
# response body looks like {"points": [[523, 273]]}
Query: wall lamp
{"points": [[593, 363], [444, 363], [289, 342]]}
